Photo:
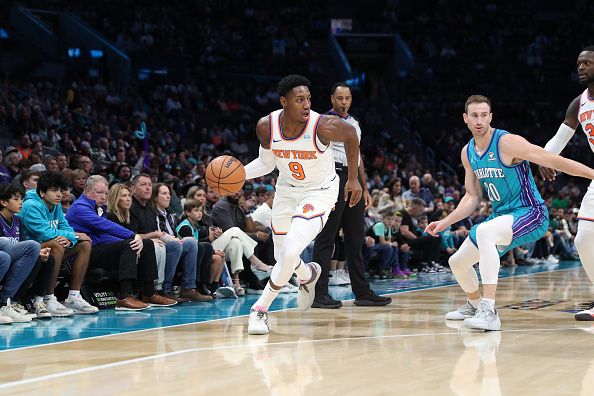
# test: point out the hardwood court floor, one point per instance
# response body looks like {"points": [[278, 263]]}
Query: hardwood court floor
{"points": [[404, 348]]}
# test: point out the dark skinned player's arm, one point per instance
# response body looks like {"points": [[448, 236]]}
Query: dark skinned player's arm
{"points": [[333, 129], [264, 163]]}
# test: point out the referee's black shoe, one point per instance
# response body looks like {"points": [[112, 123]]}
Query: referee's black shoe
{"points": [[326, 302], [371, 300]]}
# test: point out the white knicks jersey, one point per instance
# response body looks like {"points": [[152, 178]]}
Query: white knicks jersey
{"points": [[302, 161], [586, 117]]}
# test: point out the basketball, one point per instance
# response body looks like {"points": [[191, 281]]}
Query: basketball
{"points": [[225, 175]]}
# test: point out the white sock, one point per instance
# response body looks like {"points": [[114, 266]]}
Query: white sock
{"points": [[268, 295], [475, 303], [491, 303], [73, 293], [38, 299], [47, 297]]}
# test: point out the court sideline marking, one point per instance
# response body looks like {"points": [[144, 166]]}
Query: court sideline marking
{"points": [[184, 351], [245, 315]]}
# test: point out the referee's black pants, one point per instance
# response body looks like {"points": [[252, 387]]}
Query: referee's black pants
{"points": [[353, 224]]}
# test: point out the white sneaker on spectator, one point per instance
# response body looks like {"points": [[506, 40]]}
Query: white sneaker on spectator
{"points": [[289, 288], [54, 307], [22, 310], [344, 275], [40, 310], [261, 275], [79, 305], [334, 280], [552, 259], [15, 315], [258, 323], [5, 319], [586, 314], [226, 292]]}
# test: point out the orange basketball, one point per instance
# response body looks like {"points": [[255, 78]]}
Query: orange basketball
{"points": [[225, 175]]}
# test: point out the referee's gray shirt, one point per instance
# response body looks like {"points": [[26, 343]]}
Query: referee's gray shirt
{"points": [[338, 147]]}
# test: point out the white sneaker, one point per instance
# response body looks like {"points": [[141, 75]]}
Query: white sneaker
{"points": [[586, 314], [334, 280], [226, 292], [307, 291], [289, 288], [258, 323], [79, 305], [552, 259], [22, 310], [5, 319], [484, 318], [261, 275], [40, 310], [344, 275], [12, 313], [54, 307], [463, 312]]}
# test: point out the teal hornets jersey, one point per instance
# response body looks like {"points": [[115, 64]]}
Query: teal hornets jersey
{"points": [[508, 187]]}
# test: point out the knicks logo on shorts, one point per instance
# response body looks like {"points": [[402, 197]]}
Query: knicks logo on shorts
{"points": [[308, 208]]}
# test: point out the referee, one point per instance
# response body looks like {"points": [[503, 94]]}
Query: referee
{"points": [[351, 219]]}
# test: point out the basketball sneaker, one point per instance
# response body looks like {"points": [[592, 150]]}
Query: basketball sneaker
{"points": [[5, 319], [463, 312], [22, 310], [16, 316], [484, 318], [307, 289], [258, 323], [55, 308], [79, 305], [344, 274], [586, 314]]}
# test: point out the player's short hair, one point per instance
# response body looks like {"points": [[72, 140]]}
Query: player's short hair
{"points": [[476, 99], [340, 84], [52, 180], [291, 81], [589, 48]]}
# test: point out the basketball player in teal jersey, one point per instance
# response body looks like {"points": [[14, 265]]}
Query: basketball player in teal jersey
{"points": [[496, 162], [580, 112]]}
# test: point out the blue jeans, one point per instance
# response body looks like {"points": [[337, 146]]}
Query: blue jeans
{"points": [[186, 251], [21, 260]]}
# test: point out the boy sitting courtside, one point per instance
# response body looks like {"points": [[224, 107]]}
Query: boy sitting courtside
{"points": [[43, 221]]}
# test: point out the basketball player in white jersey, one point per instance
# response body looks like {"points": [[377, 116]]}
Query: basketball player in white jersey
{"points": [[580, 112], [298, 142]]}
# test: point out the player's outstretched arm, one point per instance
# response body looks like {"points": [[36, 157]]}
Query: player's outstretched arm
{"points": [[333, 129], [562, 137], [515, 146], [469, 202], [265, 162]]}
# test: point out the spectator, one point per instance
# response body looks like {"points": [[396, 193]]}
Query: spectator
{"points": [[62, 160], [416, 191], [78, 178], [426, 246], [241, 241], [17, 257], [211, 265], [116, 247], [28, 180], [43, 221], [143, 221], [166, 223], [393, 199]]}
